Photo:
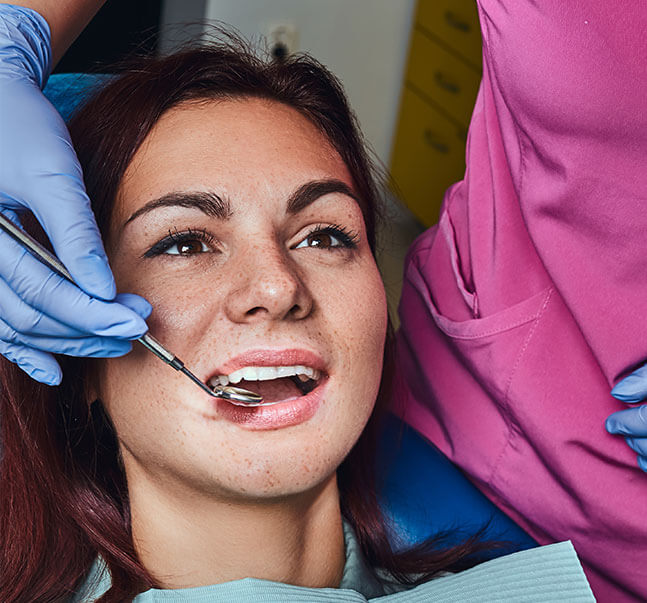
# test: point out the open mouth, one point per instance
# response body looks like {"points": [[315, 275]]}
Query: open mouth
{"points": [[274, 383]]}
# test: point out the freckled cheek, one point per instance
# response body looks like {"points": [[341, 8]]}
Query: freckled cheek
{"points": [[357, 317], [185, 306], [184, 311], [361, 307]]}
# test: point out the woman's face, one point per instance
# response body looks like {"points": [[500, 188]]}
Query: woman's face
{"points": [[237, 221]]}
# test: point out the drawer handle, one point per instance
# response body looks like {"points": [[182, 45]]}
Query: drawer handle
{"points": [[434, 142], [446, 84], [453, 20]]}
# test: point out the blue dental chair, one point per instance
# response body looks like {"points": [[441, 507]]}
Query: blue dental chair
{"points": [[423, 494], [421, 491]]}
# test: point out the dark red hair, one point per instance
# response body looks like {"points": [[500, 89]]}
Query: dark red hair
{"points": [[63, 495]]}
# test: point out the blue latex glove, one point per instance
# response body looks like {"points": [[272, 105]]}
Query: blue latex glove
{"points": [[632, 423], [40, 312]]}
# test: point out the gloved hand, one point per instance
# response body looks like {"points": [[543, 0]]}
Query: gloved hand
{"points": [[40, 312], [632, 423]]}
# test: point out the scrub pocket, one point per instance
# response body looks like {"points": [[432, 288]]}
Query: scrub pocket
{"points": [[459, 374]]}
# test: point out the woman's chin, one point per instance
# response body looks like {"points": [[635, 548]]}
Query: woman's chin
{"points": [[273, 480]]}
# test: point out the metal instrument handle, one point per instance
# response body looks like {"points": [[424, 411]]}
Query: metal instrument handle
{"points": [[34, 247], [150, 343]]}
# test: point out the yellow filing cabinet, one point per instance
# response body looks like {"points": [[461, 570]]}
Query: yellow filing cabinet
{"points": [[440, 87]]}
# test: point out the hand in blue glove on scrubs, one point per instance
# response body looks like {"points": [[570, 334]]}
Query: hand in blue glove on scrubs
{"points": [[42, 314], [632, 422]]}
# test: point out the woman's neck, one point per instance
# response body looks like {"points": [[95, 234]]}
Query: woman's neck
{"points": [[191, 540]]}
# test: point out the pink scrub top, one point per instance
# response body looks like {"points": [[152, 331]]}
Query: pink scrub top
{"points": [[528, 301]]}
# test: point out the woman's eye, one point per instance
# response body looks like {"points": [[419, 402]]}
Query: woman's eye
{"points": [[189, 242], [329, 237], [319, 239], [189, 247]]}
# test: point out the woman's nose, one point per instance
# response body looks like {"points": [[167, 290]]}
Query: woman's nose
{"points": [[267, 287]]}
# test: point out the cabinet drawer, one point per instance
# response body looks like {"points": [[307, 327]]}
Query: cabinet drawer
{"points": [[455, 23], [428, 156], [444, 78]]}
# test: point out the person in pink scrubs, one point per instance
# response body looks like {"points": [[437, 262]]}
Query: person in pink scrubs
{"points": [[525, 304]]}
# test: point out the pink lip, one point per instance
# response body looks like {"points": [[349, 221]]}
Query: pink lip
{"points": [[268, 357], [283, 414]]}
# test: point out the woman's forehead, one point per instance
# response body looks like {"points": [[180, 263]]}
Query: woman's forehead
{"points": [[241, 145], [253, 154], [243, 128]]}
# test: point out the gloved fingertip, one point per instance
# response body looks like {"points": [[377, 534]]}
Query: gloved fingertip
{"points": [[136, 303], [147, 311], [611, 425], [45, 377], [139, 327], [122, 349], [617, 389], [92, 274], [632, 388], [132, 327], [143, 308], [642, 463], [624, 392], [103, 290]]}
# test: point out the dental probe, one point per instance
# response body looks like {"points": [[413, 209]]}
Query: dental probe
{"points": [[235, 395]]}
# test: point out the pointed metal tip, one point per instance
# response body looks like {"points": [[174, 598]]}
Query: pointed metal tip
{"points": [[237, 395]]}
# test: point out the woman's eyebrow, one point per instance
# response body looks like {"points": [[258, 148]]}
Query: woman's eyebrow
{"points": [[215, 206], [311, 191], [208, 202]]}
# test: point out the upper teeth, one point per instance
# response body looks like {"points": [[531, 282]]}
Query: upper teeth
{"points": [[265, 373]]}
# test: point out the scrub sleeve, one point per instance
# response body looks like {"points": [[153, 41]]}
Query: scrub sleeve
{"points": [[528, 300]]}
